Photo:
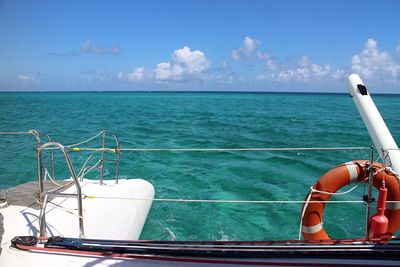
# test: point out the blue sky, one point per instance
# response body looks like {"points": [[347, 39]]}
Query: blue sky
{"points": [[199, 45]]}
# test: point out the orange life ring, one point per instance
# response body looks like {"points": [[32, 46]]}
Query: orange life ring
{"points": [[336, 178]]}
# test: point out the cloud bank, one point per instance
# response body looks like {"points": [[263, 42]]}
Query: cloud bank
{"points": [[303, 70], [185, 65], [370, 63], [247, 64]]}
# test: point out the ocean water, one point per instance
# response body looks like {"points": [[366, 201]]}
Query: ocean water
{"points": [[205, 120]]}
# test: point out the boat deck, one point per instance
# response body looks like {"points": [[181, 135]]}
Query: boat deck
{"points": [[23, 195]]}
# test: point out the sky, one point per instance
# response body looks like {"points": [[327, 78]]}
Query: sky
{"points": [[181, 45]]}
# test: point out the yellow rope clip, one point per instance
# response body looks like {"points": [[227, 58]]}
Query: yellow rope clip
{"points": [[76, 149]]}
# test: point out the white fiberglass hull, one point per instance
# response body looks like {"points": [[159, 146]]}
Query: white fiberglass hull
{"points": [[110, 211]]}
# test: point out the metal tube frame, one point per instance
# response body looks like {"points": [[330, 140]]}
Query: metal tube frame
{"points": [[53, 175], [370, 199], [102, 157], [117, 152], [43, 195], [36, 134]]}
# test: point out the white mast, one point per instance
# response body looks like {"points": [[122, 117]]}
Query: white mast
{"points": [[377, 128]]}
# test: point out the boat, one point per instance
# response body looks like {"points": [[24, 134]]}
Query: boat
{"points": [[83, 222]]}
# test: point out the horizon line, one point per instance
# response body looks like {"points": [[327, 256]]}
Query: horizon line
{"points": [[194, 91]]}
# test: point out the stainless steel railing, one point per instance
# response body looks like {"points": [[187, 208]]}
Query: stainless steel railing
{"points": [[43, 196], [103, 159]]}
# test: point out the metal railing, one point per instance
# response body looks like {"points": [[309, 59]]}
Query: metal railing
{"points": [[43, 196], [103, 159]]}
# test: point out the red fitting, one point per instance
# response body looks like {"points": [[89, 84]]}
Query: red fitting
{"points": [[378, 223]]}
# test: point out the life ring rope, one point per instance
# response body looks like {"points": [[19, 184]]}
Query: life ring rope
{"points": [[388, 169], [313, 190]]}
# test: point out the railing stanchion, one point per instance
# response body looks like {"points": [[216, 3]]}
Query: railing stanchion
{"points": [[102, 157], [43, 195], [370, 185]]}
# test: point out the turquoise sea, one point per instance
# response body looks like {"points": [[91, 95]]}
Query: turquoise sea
{"points": [[205, 120]]}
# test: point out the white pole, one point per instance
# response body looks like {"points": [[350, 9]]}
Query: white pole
{"points": [[377, 128]]}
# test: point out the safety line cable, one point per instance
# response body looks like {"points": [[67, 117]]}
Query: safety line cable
{"points": [[58, 206], [88, 169], [220, 200], [85, 141], [217, 149]]}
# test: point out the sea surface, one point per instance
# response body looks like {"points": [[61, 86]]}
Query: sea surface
{"points": [[204, 120]]}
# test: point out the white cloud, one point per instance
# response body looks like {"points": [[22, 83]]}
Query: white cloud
{"points": [[270, 63], [250, 50], [192, 61], [26, 78], [139, 74], [106, 76], [166, 71], [235, 54], [372, 63], [249, 46], [398, 49], [338, 75], [264, 55], [89, 47], [185, 64], [303, 71], [121, 76], [224, 79], [247, 50]]}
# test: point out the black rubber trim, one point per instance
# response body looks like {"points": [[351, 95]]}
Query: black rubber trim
{"points": [[24, 240], [259, 250]]}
